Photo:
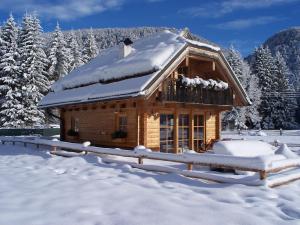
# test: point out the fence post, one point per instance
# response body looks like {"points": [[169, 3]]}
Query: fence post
{"points": [[37, 146], [263, 174], [141, 161], [25, 144], [189, 166], [54, 148]]}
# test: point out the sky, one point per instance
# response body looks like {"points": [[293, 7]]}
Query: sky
{"points": [[245, 24]]}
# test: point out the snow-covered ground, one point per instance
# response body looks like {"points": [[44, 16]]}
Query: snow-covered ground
{"points": [[36, 188]]}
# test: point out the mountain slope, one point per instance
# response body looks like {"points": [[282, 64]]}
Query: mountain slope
{"points": [[287, 42], [108, 37]]}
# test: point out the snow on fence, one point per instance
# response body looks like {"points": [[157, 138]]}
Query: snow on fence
{"points": [[264, 165]]}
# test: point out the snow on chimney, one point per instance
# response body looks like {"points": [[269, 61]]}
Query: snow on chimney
{"points": [[186, 33], [126, 48]]}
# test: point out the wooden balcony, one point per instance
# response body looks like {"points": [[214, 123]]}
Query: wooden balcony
{"points": [[173, 91]]}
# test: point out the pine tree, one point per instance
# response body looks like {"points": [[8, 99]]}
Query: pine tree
{"points": [[58, 56], [264, 68], [90, 47], [236, 62], [241, 70], [10, 86], [75, 53], [272, 80], [35, 82], [253, 118], [285, 106]]}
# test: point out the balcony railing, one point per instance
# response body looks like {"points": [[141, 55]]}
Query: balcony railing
{"points": [[174, 91]]}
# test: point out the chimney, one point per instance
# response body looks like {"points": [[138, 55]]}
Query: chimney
{"points": [[126, 48], [186, 33]]}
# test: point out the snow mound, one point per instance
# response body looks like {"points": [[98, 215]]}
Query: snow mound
{"points": [[141, 149], [243, 148], [257, 133], [286, 151], [86, 143]]}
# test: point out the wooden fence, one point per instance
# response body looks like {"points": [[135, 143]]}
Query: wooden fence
{"points": [[264, 165]]}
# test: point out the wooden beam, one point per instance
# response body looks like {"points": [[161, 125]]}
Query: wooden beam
{"points": [[263, 175], [140, 160], [176, 131], [189, 166], [213, 66], [138, 118], [191, 128]]}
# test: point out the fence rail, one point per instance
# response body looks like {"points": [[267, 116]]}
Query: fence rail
{"points": [[264, 165]]}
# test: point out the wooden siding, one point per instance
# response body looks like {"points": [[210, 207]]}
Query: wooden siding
{"points": [[97, 125], [153, 127], [211, 121]]}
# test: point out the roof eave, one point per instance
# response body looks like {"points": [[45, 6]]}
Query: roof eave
{"points": [[100, 99]]}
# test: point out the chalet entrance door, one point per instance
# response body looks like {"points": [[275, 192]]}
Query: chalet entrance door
{"points": [[167, 133], [198, 141]]}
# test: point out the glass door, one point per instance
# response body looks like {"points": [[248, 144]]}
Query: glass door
{"points": [[183, 131], [166, 133], [198, 141]]}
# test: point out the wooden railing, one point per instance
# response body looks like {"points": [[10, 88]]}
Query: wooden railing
{"points": [[263, 164], [173, 91]]}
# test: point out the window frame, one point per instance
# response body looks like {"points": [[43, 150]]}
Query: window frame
{"points": [[181, 127], [198, 126], [124, 126], [75, 124], [168, 126]]}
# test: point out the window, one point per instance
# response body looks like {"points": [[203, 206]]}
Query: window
{"points": [[166, 133], [123, 123], [198, 132], [183, 131], [75, 124]]}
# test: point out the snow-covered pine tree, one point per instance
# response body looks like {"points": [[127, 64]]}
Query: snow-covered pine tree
{"points": [[75, 53], [58, 55], [241, 70], [10, 86], [253, 118], [236, 62], [90, 50], [285, 106], [33, 65], [265, 69]]}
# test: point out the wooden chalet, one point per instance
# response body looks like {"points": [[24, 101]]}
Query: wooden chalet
{"points": [[165, 92]]}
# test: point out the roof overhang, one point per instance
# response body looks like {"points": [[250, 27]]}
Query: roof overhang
{"points": [[191, 49]]}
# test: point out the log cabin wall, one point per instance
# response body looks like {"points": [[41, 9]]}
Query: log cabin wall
{"points": [[97, 123], [211, 122]]}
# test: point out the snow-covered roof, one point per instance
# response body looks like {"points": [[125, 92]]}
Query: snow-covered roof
{"points": [[110, 75]]}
